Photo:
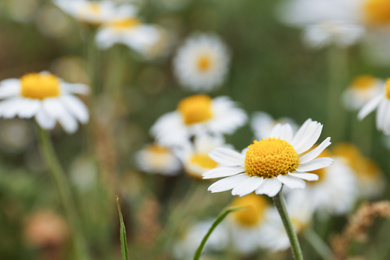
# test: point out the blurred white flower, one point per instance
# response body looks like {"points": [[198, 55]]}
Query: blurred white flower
{"points": [[381, 102], [370, 178], [262, 124], [361, 90], [196, 115], [202, 62], [157, 159], [268, 164], [45, 97]]}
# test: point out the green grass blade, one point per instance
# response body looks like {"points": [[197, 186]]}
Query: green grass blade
{"points": [[122, 233], [213, 226]]}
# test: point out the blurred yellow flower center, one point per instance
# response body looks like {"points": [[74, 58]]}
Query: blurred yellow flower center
{"points": [[88, 10], [363, 82], [40, 86], [195, 109], [253, 213], [154, 148], [388, 89], [204, 63], [204, 161], [270, 157], [125, 23], [377, 12]]}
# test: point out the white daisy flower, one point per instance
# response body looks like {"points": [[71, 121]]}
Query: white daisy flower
{"points": [[95, 13], [274, 231], [196, 115], [245, 225], [334, 193], [45, 97], [157, 159], [195, 157], [262, 124], [369, 177], [382, 103], [268, 164], [361, 90], [201, 64]]}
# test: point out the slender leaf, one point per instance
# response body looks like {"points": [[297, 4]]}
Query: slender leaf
{"points": [[122, 233], [213, 226]]}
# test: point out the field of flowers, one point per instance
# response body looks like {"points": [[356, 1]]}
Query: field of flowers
{"points": [[183, 129]]}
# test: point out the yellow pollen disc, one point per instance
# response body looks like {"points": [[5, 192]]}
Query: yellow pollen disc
{"points": [[377, 12], [204, 63], [40, 86], [203, 161], [125, 23], [253, 213], [388, 89], [270, 157], [154, 148], [195, 109], [364, 82]]}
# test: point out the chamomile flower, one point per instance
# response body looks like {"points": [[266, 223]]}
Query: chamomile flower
{"points": [[245, 225], [262, 124], [271, 162], [157, 159], [95, 13], [368, 175], [195, 157], [201, 64], [196, 115], [45, 97], [361, 90], [334, 192], [381, 102]]}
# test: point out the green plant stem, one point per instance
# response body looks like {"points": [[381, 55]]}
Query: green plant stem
{"points": [[65, 195], [317, 243], [281, 207], [337, 74]]}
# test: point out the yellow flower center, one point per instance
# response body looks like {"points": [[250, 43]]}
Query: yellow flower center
{"points": [[158, 155], [89, 10], [364, 82], [377, 12], [204, 63], [195, 109], [40, 86], [125, 24], [156, 149], [253, 213], [204, 161], [388, 89], [270, 157]]}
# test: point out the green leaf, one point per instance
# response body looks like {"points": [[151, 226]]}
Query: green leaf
{"points": [[213, 226], [122, 233]]}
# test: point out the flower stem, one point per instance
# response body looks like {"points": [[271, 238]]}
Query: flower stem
{"points": [[281, 207], [65, 194]]}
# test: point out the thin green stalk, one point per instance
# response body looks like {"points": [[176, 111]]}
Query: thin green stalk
{"points": [[281, 207], [337, 74], [65, 195], [123, 238], [318, 244]]}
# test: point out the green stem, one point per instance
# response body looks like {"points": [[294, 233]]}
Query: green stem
{"points": [[65, 194], [281, 207], [318, 244]]}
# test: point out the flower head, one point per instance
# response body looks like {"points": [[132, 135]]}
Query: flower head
{"points": [[201, 63], [45, 97], [267, 164]]}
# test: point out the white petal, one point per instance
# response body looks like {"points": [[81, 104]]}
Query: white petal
{"points": [[269, 187], [292, 182], [380, 115], [282, 131], [9, 88], [75, 88], [226, 156], [45, 120], [311, 136], [29, 108], [76, 107], [315, 164], [54, 108], [247, 186], [222, 172], [9, 108], [315, 152], [386, 119], [369, 107], [228, 183], [305, 176], [301, 132]]}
